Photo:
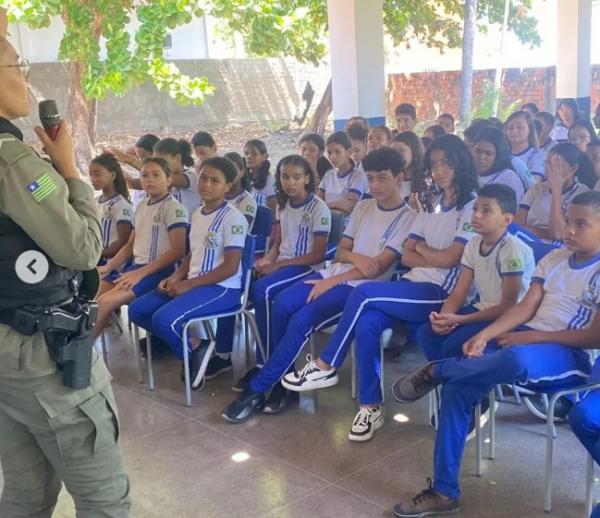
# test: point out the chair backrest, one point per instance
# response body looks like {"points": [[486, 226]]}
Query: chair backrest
{"points": [[539, 247], [263, 224], [247, 262], [335, 235]]}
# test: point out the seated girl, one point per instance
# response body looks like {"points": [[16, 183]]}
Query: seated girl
{"points": [[209, 279], [157, 242], [239, 193], [258, 166], [378, 137], [312, 148], [411, 149], [522, 138]]}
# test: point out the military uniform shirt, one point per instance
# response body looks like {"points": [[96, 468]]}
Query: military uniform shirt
{"points": [[153, 221]]}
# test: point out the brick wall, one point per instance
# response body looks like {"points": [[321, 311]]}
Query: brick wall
{"points": [[436, 92]]}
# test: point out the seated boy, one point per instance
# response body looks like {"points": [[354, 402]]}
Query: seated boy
{"points": [[496, 263], [540, 340], [406, 117], [370, 247]]}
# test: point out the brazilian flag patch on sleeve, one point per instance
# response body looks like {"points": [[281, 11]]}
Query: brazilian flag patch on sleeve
{"points": [[515, 264], [43, 187], [237, 229]]}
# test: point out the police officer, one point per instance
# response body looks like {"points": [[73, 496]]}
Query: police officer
{"points": [[49, 433]]}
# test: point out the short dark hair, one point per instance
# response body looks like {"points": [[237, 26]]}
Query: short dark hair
{"points": [[385, 129], [171, 146], [475, 128], [531, 106], [147, 142], [203, 138], [448, 116], [589, 199], [383, 159], [160, 162], [341, 138], [406, 109], [225, 165], [436, 130], [503, 194], [315, 138], [546, 117], [357, 132]]}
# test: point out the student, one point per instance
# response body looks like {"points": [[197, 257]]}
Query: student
{"points": [[239, 192], [144, 147], [567, 114], [493, 162], [263, 182], [406, 117], [546, 124], [542, 207], [184, 180], [426, 142], [433, 252], [157, 242], [299, 248], [358, 137], [597, 118], [411, 149], [446, 121], [581, 134], [209, 279], [370, 247], [530, 108], [312, 148], [379, 136], [113, 204], [540, 340], [343, 186], [434, 131], [593, 153], [357, 120], [522, 138], [497, 264], [204, 146]]}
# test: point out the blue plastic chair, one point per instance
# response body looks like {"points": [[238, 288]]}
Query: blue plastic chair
{"points": [[335, 235], [263, 223], [539, 247]]}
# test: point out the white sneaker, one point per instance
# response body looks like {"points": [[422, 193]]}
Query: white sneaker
{"points": [[310, 377], [365, 424]]}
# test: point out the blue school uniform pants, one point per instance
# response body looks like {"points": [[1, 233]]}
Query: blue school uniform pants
{"points": [[262, 293], [467, 381], [166, 316], [437, 347], [372, 308], [293, 321]]}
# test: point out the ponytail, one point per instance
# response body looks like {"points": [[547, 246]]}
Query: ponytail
{"points": [[181, 147], [110, 163]]}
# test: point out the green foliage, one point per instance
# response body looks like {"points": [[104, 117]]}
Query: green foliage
{"points": [[89, 23], [484, 104]]}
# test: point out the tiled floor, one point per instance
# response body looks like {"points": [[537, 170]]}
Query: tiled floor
{"points": [[301, 464]]}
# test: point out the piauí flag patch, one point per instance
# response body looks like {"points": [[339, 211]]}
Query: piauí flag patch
{"points": [[43, 187]]}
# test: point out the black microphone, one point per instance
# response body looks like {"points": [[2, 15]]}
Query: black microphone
{"points": [[49, 117]]}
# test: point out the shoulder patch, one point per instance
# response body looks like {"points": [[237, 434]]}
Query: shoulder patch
{"points": [[179, 213], [324, 221], [43, 187], [237, 229], [515, 264]]}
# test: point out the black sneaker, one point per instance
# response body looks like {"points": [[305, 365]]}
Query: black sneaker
{"points": [[485, 416], [217, 365], [537, 406], [426, 503], [412, 387], [198, 364], [278, 400], [244, 406], [182, 378], [160, 349], [240, 385]]}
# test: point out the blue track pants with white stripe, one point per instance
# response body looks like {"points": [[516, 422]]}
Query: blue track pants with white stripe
{"points": [[262, 293], [166, 317], [467, 381], [293, 321], [372, 308]]}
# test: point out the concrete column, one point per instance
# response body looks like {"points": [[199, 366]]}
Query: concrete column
{"points": [[357, 60], [573, 65]]}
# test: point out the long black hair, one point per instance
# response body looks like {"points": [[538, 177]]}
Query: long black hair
{"points": [[111, 164], [238, 161], [459, 158], [571, 103], [417, 178], [259, 178], [171, 146], [147, 142], [575, 157], [498, 139], [299, 161]]}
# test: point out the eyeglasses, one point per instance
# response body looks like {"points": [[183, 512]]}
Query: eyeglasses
{"points": [[24, 66]]}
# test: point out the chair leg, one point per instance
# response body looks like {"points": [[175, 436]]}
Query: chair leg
{"points": [[353, 358], [478, 441], [149, 366], [138, 353], [186, 367], [256, 335], [493, 424], [382, 368], [589, 483], [117, 320], [104, 352], [550, 436]]}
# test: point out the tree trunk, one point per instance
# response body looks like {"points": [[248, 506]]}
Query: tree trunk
{"points": [[81, 113], [318, 121], [466, 78]]}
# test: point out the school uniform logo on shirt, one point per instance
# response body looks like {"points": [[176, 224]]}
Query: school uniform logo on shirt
{"points": [[591, 295], [237, 229], [305, 219], [156, 219], [210, 241]]}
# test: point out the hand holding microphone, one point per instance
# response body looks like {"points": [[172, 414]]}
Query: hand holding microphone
{"points": [[57, 140]]}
